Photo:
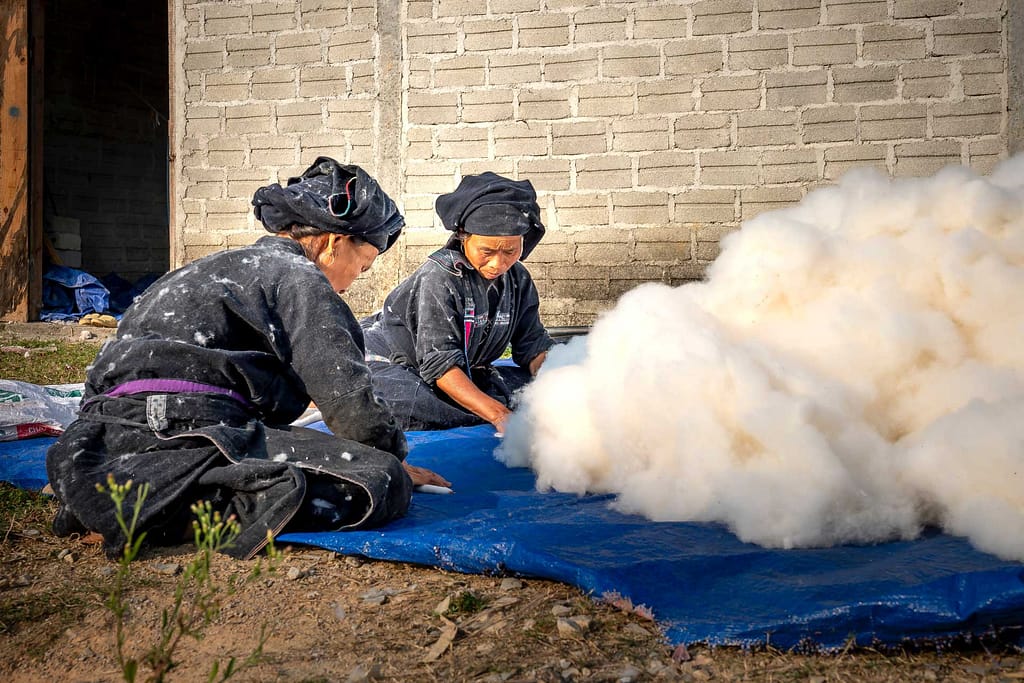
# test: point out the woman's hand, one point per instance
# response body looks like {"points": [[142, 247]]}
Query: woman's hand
{"points": [[460, 387], [421, 475], [537, 361]]}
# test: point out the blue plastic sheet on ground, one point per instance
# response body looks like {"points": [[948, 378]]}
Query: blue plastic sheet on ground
{"points": [[23, 462], [68, 294], [699, 581]]}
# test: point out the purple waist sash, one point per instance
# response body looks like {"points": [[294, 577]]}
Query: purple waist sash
{"points": [[173, 386]]}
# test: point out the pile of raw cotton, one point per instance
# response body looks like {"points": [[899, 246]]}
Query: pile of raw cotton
{"points": [[851, 370]]}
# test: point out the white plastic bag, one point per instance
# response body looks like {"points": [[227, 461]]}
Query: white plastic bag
{"points": [[28, 410]]}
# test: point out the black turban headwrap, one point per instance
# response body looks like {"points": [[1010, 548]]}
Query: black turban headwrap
{"points": [[489, 204], [332, 198]]}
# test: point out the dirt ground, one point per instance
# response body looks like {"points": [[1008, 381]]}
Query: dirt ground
{"points": [[335, 618]]}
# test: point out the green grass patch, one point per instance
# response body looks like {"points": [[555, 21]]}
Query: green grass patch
{"points": [[47, 361], [29, 508]]}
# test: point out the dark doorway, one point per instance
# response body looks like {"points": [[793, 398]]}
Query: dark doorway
{"points": [[105, 99]]}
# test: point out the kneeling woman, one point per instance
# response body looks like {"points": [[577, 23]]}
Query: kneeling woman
{"points": [[212, 363], [432, 344]]}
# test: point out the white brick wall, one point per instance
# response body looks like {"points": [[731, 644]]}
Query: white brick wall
{"points": [[650, 129]]}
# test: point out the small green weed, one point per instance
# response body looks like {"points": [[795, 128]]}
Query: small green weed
{"points": [[197, 598], [466, 602]]}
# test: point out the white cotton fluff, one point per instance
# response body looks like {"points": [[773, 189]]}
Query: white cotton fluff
{"points": [[851, 370]]}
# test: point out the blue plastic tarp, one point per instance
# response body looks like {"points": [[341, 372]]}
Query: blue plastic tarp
{"points": [[698, 580], [68, 294]]}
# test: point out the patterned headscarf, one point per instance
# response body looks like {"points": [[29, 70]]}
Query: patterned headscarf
{"points": [[332, 198]]}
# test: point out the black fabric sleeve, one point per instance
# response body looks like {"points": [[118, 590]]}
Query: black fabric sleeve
{"points": [[436, 304], [529, 338], [323, 343]]}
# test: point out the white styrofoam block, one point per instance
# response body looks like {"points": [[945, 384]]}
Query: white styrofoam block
{"points": [[70, 258], [66, 240], [58, 224]]}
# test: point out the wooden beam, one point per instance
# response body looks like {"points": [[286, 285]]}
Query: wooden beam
{"points": [[14, 119]]}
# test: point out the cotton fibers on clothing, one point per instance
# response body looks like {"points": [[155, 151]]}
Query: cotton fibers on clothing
{"points": [[850, 371]]}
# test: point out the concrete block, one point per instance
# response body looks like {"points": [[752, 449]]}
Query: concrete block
{"points": [[350, 114], [670, 96], [919, 159], [694, 56], [544, 103], [640, 208], [729, 167], [983, 77], [481, 106], [433, 108], [602, 254], [222, 20], [766, 127], [543, 30], [326, 19], [984, 155], [703, 131], [579, 137], [521, 139], [431, 38], [967, 36], [630, 61], [840, 160], [72, 258], [464, 70], [578, 65], [764, 51], [788, 14], [249, 52], [270, 16], [640, 135], [581, 208], [463, 142], [893, 121], [419, 142], [704, 206], [757, 200], [298, 48], [914, 9], [796, 89], [351, 46], [547, 175], [660, 21], [926, 79], [516, 69], [599, 25], [504, 167], [667, 169], [663, 252], [606, 100], [856, 11], [973, 116], [513, 6], [829, 124], [722, 17], [484, 35], [719, 93], [864, 84], [459, 8], [894, 42], [790, 166], [824, 47], [604, 172], [430, 177]]}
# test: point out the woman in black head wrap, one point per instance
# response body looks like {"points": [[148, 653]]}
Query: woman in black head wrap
{"points": [[432, 344], [212, 363]]}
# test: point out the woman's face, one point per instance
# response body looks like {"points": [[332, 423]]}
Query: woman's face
{"points": [[492, 256], [345, 258]]}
